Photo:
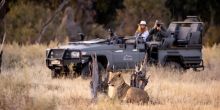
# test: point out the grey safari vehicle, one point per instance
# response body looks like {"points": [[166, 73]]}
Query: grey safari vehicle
{"points": [[182, 48]]}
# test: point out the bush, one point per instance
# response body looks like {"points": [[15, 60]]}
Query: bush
{"points": [[24, 21], [212, 36], [15, 55]]}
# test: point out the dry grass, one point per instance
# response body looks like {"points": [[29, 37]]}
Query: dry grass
{"points": [[25, 83]]}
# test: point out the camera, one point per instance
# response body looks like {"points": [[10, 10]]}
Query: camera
{"points": [[158, 25]]}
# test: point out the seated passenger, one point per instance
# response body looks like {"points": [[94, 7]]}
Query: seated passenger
{"points": [[158, 32], [113, 38], [142, 31]]}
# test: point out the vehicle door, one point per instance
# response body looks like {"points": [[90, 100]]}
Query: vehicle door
{"points": [[126, 58]]}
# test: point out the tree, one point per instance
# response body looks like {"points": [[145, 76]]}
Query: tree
{"points": [[4, 8], [206, 9], [106, 11], [137, 10], [26, 17]]}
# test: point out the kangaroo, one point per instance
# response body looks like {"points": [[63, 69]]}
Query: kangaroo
{"points": [[123, 91]]}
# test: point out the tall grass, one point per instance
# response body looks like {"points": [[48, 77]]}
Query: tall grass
{"points": [[25, 83]]}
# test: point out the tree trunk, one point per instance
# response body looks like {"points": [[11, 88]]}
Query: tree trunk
{"points": [[212, 15]]}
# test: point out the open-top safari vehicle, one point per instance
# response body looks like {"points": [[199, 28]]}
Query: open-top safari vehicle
{"points": [[181, 49]]}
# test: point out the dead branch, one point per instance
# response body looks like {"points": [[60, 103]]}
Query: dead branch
{"points": [[45, 26], [95, 77], [1, 51], [143, 66], [3, 41], [138, 78], [2, 3]]}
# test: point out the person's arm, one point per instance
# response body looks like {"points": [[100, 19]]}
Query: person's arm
{"points": [[152, 31]]}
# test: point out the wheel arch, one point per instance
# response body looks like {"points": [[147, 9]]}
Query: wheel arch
{"points": [[103, 60], [174, 58]]}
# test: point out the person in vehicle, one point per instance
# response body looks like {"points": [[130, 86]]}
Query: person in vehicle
{"points": [[142, 31], [113, 38], [158, 32]]}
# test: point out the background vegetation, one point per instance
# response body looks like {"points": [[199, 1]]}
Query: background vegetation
{"points": [[25, 18]]}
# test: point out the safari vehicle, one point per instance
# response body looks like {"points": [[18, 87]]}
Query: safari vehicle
{"points": [[76, 56], [182, 49]]}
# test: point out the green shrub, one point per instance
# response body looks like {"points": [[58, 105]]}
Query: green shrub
{"points": [[24, 21]]}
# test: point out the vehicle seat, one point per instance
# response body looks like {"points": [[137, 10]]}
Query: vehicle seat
{"points": [[172, 33], [195, 35], [172, 29], [195, 38], [168, 42], [194, 27], [130, 44], [183, 36]]}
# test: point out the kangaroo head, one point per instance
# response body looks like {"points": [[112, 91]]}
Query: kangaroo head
{"points": [[115, 79]]}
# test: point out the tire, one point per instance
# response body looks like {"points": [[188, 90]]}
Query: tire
{"points": [[85, 73], [72, 75], [55, 73], [174, 66]]}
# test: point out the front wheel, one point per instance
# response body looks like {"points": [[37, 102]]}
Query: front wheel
{"points": [[55, 73]]}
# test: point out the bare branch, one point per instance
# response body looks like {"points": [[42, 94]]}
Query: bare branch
{"points": [[3, 41], [2, 3], [44, 27], [143, 66]]}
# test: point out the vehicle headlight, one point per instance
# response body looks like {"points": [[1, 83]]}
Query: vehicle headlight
{"points": [[75, 54]]}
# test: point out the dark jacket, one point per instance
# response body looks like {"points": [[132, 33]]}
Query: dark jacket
{"points": [[156, 35]]}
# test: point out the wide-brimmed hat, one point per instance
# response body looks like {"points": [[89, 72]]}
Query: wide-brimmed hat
{"points": [[143, 22]]}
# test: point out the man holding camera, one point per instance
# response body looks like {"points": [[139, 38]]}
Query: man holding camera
{"points": [[158, 32]]}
